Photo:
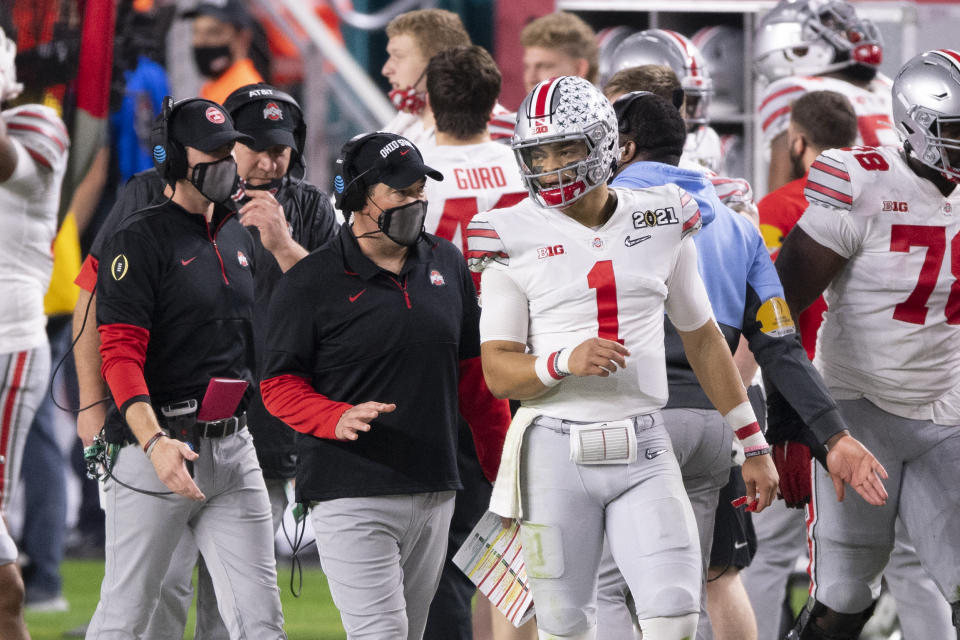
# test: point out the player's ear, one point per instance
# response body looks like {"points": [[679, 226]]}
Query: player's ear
{"points": [[628, 151]]}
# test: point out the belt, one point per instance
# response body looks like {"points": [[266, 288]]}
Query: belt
{"points": [[563, 426], [221, 428]]}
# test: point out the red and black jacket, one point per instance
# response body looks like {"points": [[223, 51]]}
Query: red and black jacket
{"points": [[343, 331], [174, 306]]}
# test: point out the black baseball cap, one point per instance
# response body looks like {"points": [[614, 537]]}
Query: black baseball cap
{"points": [[230, 11], [268, 122], [392, 160], [204, 125]]}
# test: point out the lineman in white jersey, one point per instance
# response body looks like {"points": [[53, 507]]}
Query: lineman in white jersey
{"points": [[462, 84], [575, 282], [841, 52], [33, 160], [876, 237]]}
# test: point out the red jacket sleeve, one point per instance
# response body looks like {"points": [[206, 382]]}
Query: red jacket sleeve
{"points": [[123, 349], [488, 417], [293, 400]]}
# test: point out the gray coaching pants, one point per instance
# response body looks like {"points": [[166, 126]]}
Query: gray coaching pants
{"points": [[702, 443], [641, 508], [232, 528], [383, 556], [852, 540]]}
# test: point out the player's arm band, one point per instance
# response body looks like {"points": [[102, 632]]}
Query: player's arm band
{"points": [[152, 442], [553, 367], [745, 426]]}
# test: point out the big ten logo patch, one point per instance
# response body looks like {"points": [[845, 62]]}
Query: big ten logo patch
{"points": [[540, 127], [896, 206], [774, 318], [549, 252], [654, 217]]}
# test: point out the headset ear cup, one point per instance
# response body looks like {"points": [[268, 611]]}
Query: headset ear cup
{"points": [[176, 161], [159, 139]]}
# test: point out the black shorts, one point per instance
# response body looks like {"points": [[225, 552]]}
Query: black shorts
{"points": [[734, 540]]}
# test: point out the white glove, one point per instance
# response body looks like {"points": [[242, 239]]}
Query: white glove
{"points": [[9, 87]]}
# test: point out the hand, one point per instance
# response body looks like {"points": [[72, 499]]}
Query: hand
{"points": [[850, 462], [265, 213], [358, 418], [597, 357], [90, 422], [760, 477], [168, 456], [792, 460]]}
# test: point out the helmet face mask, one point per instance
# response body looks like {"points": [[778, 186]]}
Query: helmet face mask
{"points": [[565, 141], [809, 37], [926, 109]]}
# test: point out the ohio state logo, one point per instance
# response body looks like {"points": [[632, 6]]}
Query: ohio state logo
{"points": [[272, 112], [215, 116], [242, 259], [436, 278]]}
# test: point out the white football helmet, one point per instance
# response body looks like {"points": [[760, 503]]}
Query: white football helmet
{"points": [[809, 37], [562, 110], [722, 49], [926, 96], [607, 41], [9, 87], [660, 46]]}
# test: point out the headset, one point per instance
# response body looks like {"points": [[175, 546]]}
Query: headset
{"points": [[248, 94], [348, 192], [169, 155]]}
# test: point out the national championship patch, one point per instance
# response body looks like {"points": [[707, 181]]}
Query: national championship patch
{"points": [[118, 268], [774, 318]]}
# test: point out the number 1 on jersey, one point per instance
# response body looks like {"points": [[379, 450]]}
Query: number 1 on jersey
{"points": [[602, 279]]}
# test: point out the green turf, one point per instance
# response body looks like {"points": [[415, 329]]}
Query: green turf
{"points": [[312, 616]]}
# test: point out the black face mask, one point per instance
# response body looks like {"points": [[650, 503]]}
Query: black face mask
{"points": [[218, 181], [212, 62], [402, 224]]}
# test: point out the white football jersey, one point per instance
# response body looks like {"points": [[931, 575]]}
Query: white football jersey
{"points": [[892, 330], [702, 150], [612, 282], [29, 200], [476, 177], [873, 106]]}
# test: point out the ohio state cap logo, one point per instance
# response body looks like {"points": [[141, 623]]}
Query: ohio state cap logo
{"points": [[272, 112], [215, 116]]}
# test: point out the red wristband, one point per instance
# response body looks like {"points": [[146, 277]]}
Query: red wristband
{"points": [[153, 439]]}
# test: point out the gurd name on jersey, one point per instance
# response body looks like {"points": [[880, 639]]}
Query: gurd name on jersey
{"points": [[480, 178], [654, 217]]}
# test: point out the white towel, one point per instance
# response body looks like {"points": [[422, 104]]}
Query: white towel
{"points": [[505, 499]]}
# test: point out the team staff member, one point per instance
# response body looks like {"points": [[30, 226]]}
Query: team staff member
{"points": [[745, 295], [367, 339], [298, 220], [174, 311], [221, 47], [33, 161]]}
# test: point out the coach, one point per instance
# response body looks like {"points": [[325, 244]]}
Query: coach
{"points": [[371, 339]]}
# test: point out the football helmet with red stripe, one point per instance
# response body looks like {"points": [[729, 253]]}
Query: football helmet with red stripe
{"points": [[926, 108], [9, 87], [664, 47], [810, 37], [565, 120]]}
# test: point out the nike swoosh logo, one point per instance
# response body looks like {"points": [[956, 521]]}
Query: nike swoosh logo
{"points": [[353, 298], [739, 545], [186, 262], [633, 241], [403, 153], [653, 453]]}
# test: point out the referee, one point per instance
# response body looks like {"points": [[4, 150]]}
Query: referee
{"points": [[373, 348]]}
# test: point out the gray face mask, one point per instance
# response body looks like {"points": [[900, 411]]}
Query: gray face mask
{"points": [[402, 224], [217, 181]]}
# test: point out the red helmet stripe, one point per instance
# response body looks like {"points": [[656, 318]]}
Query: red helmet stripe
{"points": [[950, 55], [694, 70], [541, 101]]}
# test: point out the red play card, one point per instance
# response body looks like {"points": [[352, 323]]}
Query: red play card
{"points": [[221, 399]]}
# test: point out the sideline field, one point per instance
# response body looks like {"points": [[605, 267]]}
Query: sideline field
{"points": [[310, 617]]}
